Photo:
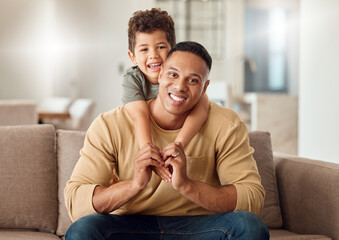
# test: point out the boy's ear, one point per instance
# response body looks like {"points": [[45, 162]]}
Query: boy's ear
{"points": [[131, 56]]}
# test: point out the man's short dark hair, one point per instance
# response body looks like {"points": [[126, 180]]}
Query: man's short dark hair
{"points": [[149, 21], [195, 48]]}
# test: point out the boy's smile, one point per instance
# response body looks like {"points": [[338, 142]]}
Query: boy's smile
{"points": [[149, 53]]}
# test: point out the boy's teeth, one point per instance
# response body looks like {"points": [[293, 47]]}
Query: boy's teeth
{"points": [[177, 98], [154, 64]]}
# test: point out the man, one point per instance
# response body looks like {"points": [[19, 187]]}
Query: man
{"points": [[211, 188]]}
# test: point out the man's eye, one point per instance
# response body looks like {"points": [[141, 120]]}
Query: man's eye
{"points": [[193, 80], [172, 75]]}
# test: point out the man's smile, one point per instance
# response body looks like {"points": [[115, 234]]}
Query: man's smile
{"points": [[177, 99]]}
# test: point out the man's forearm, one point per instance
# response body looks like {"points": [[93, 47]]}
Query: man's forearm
{"points": [[108, 199], [219, 200]]}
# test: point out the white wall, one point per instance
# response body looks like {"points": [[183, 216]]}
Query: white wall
{"points": [[319, 80], [24, 67], [69, 48]]}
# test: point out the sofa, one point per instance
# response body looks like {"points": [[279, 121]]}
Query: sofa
{"points": [[301, 202], [18, 112]]}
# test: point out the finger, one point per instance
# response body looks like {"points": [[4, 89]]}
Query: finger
{"points": [[163, 173], [150, 152], [149, 163], [168, 163], [173, 152], [145, 161], [168, 151]]}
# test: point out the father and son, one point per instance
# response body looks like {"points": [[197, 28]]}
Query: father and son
{"points": [[169, 164]]}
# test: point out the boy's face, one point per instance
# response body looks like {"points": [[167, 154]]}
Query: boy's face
{"points": [[150, 52]]}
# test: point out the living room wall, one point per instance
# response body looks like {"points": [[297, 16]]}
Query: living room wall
{"points": [[67, 48], [319, 80]]}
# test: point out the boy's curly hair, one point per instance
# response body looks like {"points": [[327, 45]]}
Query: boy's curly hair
{"points": [[149, 21]]}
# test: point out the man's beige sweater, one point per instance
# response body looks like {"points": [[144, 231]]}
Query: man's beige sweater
{"points": [[218, 155]]}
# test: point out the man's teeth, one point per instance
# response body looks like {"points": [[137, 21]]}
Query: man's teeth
{"points": [[178, 99]]}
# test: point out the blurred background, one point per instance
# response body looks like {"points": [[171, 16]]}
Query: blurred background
{"points": [[275, 61]]}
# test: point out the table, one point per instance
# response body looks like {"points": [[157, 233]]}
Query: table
{"points": [[53, 115]]}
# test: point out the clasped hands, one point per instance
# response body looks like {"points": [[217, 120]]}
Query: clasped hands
{"points": [[169, 164]]}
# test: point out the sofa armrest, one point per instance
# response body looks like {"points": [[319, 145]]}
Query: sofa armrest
{"points": [[309, 195]]}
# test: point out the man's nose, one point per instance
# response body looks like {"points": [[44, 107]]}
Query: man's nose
{"points": [[180, 84]]}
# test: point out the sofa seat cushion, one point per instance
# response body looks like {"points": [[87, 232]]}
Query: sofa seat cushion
{"points": [[27, 235], [28, 176], [270, 214], [276, 234]]}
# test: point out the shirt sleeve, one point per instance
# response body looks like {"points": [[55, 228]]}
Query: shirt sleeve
{"points": [[95, 167], [132, 88], [235, 165]]}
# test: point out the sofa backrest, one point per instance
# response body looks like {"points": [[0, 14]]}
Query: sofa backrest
{"points": [[28, 177], [270, 214], [18, 112], [69, 144], [30, 157]]}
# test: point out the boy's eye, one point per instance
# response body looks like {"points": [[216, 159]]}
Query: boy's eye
{"points": [[162, 47], [143, 50]]}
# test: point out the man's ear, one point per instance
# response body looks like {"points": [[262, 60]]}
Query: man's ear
{"points": [[131, 56], [160, 73], [205, 86]]}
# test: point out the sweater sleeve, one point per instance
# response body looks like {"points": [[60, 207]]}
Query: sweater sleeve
{"points": [[235, 165], [95, 167]]}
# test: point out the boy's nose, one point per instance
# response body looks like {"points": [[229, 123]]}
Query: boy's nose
{"points": [[153, 54]]}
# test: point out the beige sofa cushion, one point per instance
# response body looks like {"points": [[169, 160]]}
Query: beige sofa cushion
{"points": [[279, 234], [28, 178], [69, 144], [270, 214], [26, 235]]}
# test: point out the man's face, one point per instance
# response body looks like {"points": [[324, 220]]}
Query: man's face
{"points": [[150, 52], [182, 81]]}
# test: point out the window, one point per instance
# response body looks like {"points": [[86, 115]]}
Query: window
{"points": [[198, 20], [270, 47]]}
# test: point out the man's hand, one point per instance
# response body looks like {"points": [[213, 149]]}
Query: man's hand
{"points": [[148, 157], [216, 199], [107, 199], [175, 160], [163, 172]]}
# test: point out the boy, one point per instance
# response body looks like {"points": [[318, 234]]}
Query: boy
{"points": [[151, 35]]}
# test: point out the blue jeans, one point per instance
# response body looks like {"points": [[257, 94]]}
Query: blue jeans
{"points": [[234, 225]]}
